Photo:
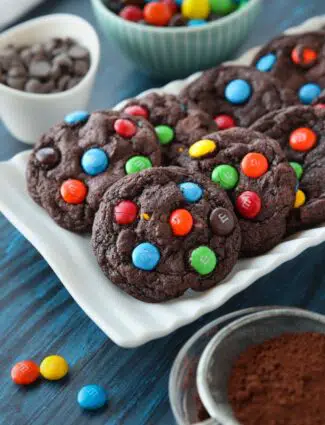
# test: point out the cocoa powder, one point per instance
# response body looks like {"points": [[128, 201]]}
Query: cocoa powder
{"points": [[280, 382]]}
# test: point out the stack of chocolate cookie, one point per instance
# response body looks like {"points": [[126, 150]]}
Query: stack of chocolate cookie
{"points": [[175, 188]]}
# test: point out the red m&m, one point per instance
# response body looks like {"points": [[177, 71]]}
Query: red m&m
{"points": [[73, 191], [181, 222], [303, 56], [248, 204], [224, 122], [137, 111], [25, 372], [131, 13], [302, 139], [125, 128], [254, 165], [125, 212]]}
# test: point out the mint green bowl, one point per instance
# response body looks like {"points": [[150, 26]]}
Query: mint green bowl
{"points": [[176, 52]]}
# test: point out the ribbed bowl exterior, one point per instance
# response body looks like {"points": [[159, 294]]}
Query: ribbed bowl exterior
{"points": [[177, 52]]}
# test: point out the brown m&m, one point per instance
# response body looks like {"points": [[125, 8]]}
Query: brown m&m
{"points": [[222, 221]]}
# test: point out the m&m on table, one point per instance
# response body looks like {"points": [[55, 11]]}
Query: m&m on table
{"points": [[25, 372], [54, 368], [92, 397]]}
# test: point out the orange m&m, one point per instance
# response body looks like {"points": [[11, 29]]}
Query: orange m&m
{"points": [[303, 56], [302, 139], [25, 372], [156, 13], [254, 165], [181, 222], [73, 191]]}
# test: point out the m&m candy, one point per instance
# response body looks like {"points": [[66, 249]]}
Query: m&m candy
{"points": [[171, 4], [224, 122], [196, 22], [266, 63], [92, 397], [76, 117], [300, 199], [73, 191], [157, 13], [297, 169], [131, 13], [54, 368], [165, 134], [254, 165], [303, 56], [238, 91], [48, 157], [94, 161], [125, 212], [196, 9], [226, 176], [302, 139], [202, 148], [308, 93], [181, 222], [137, 163], [25, 372], [125, 128], [222, 221], [222, 7], [192, 192], [248, 204], [145, 256], [203, 260], [137, 111]]}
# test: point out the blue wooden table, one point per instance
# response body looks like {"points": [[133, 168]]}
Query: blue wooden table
{"points": [[38, 316]]}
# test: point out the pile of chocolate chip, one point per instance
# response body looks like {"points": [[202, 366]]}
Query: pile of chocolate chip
{"points": [[50, 67]]}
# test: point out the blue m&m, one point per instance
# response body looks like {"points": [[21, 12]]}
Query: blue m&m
{"points": [[94, 161], [266, 62], [308, 92], [145, 256], [76, 117], [192, 192], [196, 22], [92, 397], [238, 91]]}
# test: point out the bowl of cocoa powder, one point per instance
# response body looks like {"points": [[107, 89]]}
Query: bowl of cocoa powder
{"points": [[47, 70], [266, 368]]}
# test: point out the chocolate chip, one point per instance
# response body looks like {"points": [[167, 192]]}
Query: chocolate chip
{"points": [[17, 83], [80, 68], [63, 82], [222, 221], [78, 52], [34, 86], [39, 69], [48, 157], [63, 60], [17, 71]]}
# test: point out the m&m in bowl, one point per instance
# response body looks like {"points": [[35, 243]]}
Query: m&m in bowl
{"points": [[173, 13]]}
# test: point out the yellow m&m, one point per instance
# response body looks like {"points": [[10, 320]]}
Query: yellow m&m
{"points": [[54, 368], [300, 199], [202, 148], [196, 9]]}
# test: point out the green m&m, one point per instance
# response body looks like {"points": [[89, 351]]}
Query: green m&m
{"points": [[203, 260], [226, 176], [165, 134], [297, 169], [223, 7], [136, 164]]}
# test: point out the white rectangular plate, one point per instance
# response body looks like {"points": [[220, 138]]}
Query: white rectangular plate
{"points": [[127, 321]]}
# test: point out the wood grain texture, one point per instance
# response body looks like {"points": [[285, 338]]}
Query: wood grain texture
{"points": [[38, 317]]}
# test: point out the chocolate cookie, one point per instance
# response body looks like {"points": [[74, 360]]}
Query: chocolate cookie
{"points": [[319, 102], [300, 130], [177, 126], [259, 180], [298, 61], [164, 231], [77, 160], [236, 95]]}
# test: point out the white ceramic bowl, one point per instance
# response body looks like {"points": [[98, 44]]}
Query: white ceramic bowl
{"points": [[28, 115]]}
